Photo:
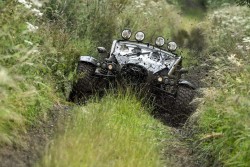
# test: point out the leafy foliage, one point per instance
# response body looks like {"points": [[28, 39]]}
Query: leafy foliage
{"points": [[38, 56]]}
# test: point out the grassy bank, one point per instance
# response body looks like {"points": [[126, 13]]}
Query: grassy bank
{"points": [[221, 125], [39, 46], [115, 131]]}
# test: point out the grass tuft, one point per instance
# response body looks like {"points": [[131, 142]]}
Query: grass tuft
{"points": [[116, 131]]}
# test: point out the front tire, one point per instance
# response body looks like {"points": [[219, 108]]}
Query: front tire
{"points": [[173, 109], [86, 83], [183, 107]]}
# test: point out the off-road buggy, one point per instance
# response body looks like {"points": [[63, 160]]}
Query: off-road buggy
{"points": [[139, 64]]}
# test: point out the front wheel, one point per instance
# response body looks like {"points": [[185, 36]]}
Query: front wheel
{"points": [[85, 84], [183, 107]]}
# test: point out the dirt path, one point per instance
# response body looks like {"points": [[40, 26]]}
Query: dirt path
{"points": [[36, 139], [177, 153]]}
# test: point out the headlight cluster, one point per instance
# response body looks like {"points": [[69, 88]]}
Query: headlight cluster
{"points": [[106, 66], [139, 36], [166, 80]]}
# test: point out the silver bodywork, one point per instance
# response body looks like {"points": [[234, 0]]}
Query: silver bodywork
{"points": [[151, 58], [89, 59]]}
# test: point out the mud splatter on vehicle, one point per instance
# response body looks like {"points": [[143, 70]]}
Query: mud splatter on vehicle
{"points": [[141, 65]]}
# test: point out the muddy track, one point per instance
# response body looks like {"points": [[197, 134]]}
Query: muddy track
{"points": [[179, 151], [195, 76], [35, 139], [38, 136]]}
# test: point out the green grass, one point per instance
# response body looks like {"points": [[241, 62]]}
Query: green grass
{"points": [[38, 67], [222, 130], [23, 95], [227, 113], [118, 131], [115, 131]]}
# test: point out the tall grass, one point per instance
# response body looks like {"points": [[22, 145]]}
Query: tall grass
{"points": [[37, 61], [22, 92], [39, 51], [222, 128], [115, 131]]}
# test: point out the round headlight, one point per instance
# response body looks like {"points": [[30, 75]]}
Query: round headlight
{"points": [[160, 41], [160, 79], [172, 46], [126, 34], [139, 36], [110, 66]]}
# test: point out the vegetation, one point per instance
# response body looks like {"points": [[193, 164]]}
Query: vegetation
{"points": [[23, 94], [39, 49], [244, 2], [115, 131], [41, 42], [222, 120]]}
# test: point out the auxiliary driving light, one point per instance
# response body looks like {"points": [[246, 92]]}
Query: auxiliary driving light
{"points": [[160, 41], [110, 66], [160, 79], [172, 46], [139, 36], [126, 34]]}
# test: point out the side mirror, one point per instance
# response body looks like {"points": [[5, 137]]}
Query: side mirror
{"points": [[101, 50]]}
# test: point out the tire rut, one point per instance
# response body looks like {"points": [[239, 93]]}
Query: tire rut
{"points": [[35, 139]]}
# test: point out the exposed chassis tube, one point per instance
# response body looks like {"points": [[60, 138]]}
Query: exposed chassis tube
{"points": [[171, 71]]}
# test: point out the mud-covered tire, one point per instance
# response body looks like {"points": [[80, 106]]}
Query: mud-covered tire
{"points": [[85, 84], [183, 107]]}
